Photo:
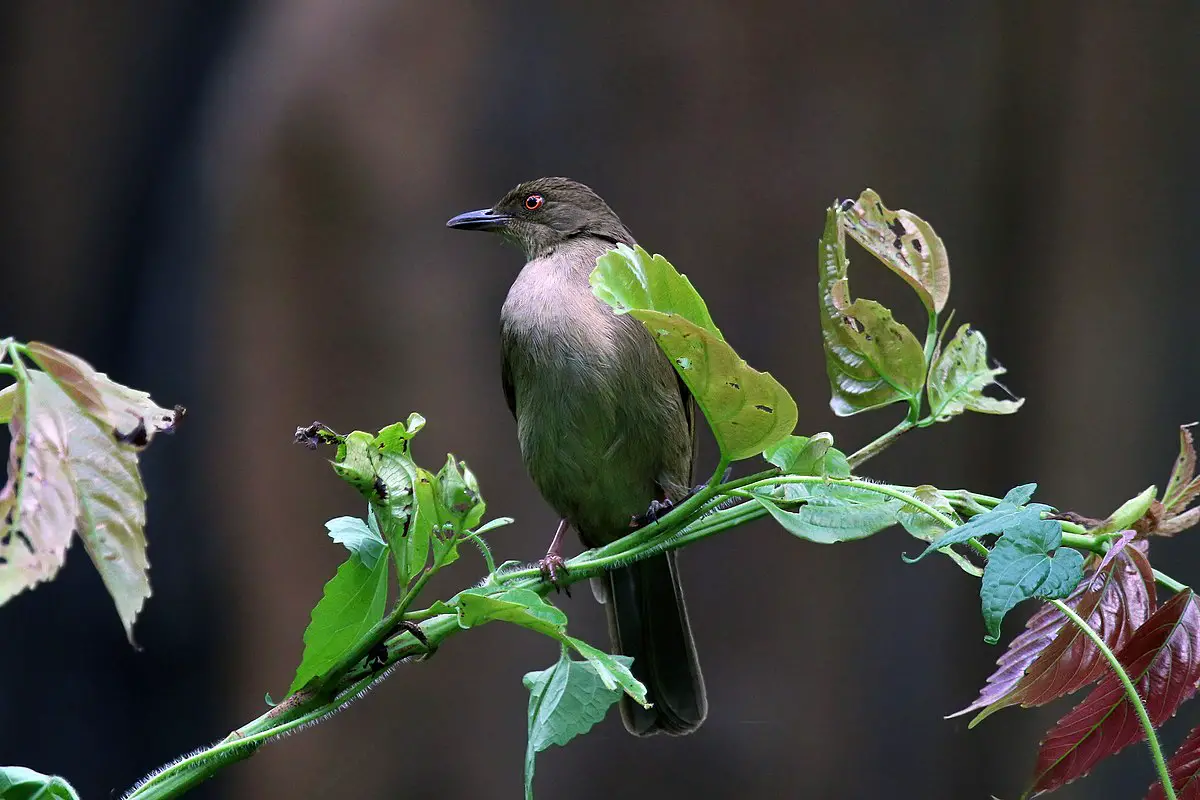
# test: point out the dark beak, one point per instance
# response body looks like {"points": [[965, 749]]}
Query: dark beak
{"points": [[483, 220]]}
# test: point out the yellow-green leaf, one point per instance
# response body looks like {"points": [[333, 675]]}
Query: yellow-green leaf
{"points": [[905, 243], [747, 410]]}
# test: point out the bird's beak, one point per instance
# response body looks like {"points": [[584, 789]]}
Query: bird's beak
{"points": [[483, 220]]}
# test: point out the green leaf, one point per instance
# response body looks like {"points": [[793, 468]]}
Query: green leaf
{"points": [[1007, 515], [565, 701], [747, 410], [8, 397], [1027, 562], [522, 607], [871, 359], [924, 527], [960, 373], [613, 671], [804, 455], [460, 496], [905, 243], [22, 783], [360, 538], [353, 602], [833, 513]]}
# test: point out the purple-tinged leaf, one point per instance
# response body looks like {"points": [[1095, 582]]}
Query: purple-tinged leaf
{"points": [[1183, 485], [1184, 769], [1047, 661], [1162, 658]]}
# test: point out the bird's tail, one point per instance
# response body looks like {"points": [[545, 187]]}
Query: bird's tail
{"points": [[648, 621]]}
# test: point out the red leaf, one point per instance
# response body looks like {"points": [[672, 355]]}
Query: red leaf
{"points": [[1046, 662], [1163, 660], [1184, 768]]}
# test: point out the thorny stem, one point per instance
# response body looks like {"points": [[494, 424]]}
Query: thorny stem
{"points": [[1130, 691]]}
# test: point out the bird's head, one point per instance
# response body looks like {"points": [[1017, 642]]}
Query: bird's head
{"points": [[540, 215]]}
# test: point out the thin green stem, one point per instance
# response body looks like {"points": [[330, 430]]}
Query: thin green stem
{"points": [[1130, 691], [8, 370], [1169, 582], [882, 443]]}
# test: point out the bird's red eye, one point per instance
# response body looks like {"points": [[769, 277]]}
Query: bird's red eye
{"points": [[534, 202]]}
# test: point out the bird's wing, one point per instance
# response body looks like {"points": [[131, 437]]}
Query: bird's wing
{"points": [[689, 410], [510, 391]]}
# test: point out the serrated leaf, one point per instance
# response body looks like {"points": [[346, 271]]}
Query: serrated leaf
{"points": [[1008, 514], [565, 701], [22, 783], [804, 455], [100, 473], [522, 607], [130, 415], [834, 513], [959, 375], [352, 602], [1051, 657], [358, 537], [38, 504], [747, 410], [1162, 658], [1183, 485], [612, 670], [1026, 562], [871, 359], [1184, 770], [905, 244]]}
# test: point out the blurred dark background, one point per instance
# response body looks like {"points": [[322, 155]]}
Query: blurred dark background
{"points": [[240, 207]]}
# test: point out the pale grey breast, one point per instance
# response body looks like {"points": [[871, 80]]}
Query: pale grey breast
{"points": [[601, 420]]}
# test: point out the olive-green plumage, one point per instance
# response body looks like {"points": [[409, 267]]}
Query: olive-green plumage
{"points": [[605, 426]]}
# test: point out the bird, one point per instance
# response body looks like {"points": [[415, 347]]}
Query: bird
{"points": [[606, 429]]}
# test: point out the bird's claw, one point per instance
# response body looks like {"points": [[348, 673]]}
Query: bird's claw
{"points": [[551, 566], [653, 512]]}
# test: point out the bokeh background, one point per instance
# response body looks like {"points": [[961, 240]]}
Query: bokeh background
{"points": [[240, 207]]}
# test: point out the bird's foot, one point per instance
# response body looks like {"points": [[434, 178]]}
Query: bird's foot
{"points": [[552, 565], [659, 508]]}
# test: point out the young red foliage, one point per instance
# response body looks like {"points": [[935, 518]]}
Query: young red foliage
{"points": [[1184, 767], [1162, 658], [1047, 661]]}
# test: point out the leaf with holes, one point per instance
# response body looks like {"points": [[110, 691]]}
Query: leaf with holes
{"points": [[39, 504], [128, 414], [872, 360], [959, 375], [1052, 658], [905, 244], [1162, 658], [748, 411], [98, 484], [1184, 769], [565, 701]]}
